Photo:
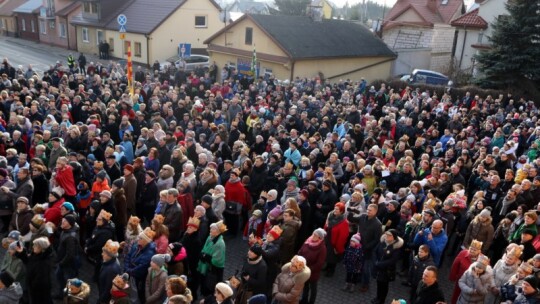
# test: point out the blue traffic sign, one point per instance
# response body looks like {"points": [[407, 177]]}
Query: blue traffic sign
{"points": [[122, 19], [122, 29]]}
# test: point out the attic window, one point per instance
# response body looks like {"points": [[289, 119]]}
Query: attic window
{"points": [[444, 2], [200, 21], [249, 36]]}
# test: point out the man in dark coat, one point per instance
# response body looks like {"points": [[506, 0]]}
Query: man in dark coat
{"points": [[429, 290], [109, 270], [173, 215], [254, 273], [67, 255]]}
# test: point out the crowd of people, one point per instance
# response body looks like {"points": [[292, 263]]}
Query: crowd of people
{"points": [[149, 186]]}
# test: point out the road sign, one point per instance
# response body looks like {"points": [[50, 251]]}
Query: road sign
{"points": [[184, 50], [122, 19], [122, 29], [122, 36]]}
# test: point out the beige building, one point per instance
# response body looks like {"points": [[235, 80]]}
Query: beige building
{"points": [[292, 46], [153, 36]]}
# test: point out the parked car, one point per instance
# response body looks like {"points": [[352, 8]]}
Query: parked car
{"points": [[419, 76], [189, 64]]}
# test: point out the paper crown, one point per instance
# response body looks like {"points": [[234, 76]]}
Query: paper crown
{"points": [[525, 266], [476, 245], [133, 220], [106, 216], [111, 248], [516, 251], [275, 232], [159, 218], [121, 281], [219, 226], [194, 222]]}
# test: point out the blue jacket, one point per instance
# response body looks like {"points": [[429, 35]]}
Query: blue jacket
{"points": [[292, 156], [436, 245], [138, 260]]}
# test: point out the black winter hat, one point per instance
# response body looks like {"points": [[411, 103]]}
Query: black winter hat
{"points": [[6, 278]]}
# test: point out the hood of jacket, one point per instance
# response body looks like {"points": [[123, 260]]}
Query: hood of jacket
{"points": [[12, 293], [396, 244]]}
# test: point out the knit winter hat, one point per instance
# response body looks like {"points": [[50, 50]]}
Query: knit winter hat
{"points": [[42, 242], [23, 200], [106, 193], [161, 259], [14, 235], [13, 245], [68, 206], [257, 299], [207, 199], [485, 213], [118, 183], [532, 280], [356, 238], [70, 219], [275, 213], [224, 289], [57, 192], [147, 235], [257, 213], [75, 282], [321, 233], [111, 248]]}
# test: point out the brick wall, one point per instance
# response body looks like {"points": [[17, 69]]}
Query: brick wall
{"points": [[408, 37]]}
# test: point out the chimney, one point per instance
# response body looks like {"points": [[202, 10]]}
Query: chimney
{"points": [[432, 5]]}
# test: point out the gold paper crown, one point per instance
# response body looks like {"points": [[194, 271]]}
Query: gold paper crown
{"points": [[133, 220], [159, 218], [121, 281], [111, 247], [516, 251], [220, 226], [194, 222], [525, 266], [105, 215], [476, 245]]}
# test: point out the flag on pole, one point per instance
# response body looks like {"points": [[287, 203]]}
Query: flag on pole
{"points": [[130, 71], [254, 65]]}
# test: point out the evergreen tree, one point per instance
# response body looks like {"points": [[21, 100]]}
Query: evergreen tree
{"points": [[291, 7], [512, 61]]}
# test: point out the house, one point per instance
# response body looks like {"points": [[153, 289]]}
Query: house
{"points": [[326, 6], [27, 19], [297, 46], [54, 23], [154, 29], [419, 31], [238, 8], [8, 25], [473, 30]]}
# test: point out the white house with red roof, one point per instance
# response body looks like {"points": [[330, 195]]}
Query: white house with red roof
{"points": [[419, 31], [473, 31]]}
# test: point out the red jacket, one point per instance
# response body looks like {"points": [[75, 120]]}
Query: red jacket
{"points": [[462, 262], [315, 255], [339, 236], [65, 179], [53, 214], [186, 203], [235, 192]]}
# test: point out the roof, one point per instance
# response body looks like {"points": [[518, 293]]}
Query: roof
{"points": [[471, 19], [303, 38], [140, 19], [110, 9], [7, 8], [441, 13], [248, 6], [144, 20], [30, 7], [68, 9]]}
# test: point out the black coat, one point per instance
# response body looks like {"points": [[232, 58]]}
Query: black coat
{"points": [[38, 275], [387, 257], [257, 276], [109, 270], [99, 237], [429, 294], [258, 181], [193, 246], [41, 190]]}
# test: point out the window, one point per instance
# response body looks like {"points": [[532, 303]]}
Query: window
{"points": [[138, 49], [23, 25], [33, 26], [127, 44], [62, 30], [480, 37], [4, 23], [249, 36], [90, 8], [52, 24], [200, 21], [268, 71], [85, 36], [42, 27], [111, 45], [99, 36]]}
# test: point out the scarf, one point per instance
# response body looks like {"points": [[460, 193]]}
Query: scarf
{"points": [[505, 204], [254, 261], [234, 180], [311, 243], [2, 182], [140, 150], [205, 179], [117, 294], [334, 220]]}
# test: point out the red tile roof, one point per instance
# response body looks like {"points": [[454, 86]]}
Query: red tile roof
{"points": [[442, 13], [471, 19]]}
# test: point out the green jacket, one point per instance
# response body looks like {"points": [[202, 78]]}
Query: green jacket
{"points": [[516, 236], [214, 247]]}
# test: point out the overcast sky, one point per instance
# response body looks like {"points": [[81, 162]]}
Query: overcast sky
{"points": [[390, 3]]}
